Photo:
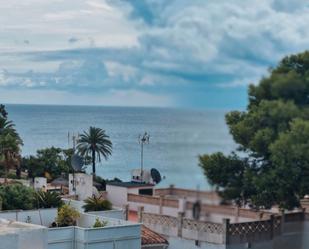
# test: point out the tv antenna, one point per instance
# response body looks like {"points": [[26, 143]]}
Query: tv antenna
{"points": [[77, 162], [143, 139], [72, 139]]}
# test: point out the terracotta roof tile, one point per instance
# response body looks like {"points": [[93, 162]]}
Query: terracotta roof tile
{"points": [[150, 237]]}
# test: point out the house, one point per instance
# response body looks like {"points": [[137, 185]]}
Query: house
{"points": [[117, 192]]}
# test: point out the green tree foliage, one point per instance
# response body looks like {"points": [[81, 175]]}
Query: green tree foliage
{"points": [[48, 199], [227, 173], [51, 162], [16, 197], [272, 135], [10, 143], [96, 204], [94, 143]]}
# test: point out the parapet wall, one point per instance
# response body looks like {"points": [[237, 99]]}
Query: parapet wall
{"points": [[275, 232], [187, 193], [171, 205]]}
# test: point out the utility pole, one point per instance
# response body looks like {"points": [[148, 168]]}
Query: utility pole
{"points": [[143, 139], [74, 139]]}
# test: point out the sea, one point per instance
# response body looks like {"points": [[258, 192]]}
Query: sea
{"points": [[177, 137]]}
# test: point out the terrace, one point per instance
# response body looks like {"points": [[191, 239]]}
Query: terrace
{"points": [[117, 233]]}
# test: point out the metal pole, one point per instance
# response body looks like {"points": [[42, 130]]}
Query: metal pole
{"points": [[142, 159], [74, 182], [143, 139]]}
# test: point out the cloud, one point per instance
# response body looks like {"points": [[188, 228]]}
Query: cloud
{"points": [[50, 24], [218, 43], [290, 6], [99, 5], [184, 49]]}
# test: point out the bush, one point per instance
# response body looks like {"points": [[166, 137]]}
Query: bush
{"points": [[48, 199], [16, 197], [96, 204], [99, 223], [67, 216]]}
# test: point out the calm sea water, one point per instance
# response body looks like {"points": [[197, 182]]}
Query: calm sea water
{"points": [[177, 137]]}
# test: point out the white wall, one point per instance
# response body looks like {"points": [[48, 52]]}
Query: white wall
{"points": [[40, 183], [78, 205], [115, 214], [61, 238], [83, 185], [42, 217], [9, 241], [87, 220], [34, 238], [179, 243], [19, 235], [125, 237], [120, 237], [117, 195]]}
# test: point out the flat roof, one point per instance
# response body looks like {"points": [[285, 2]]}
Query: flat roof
{"points": [[130, 184]]}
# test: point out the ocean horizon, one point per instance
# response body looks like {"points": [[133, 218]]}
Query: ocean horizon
{"points": [[177, 137]]}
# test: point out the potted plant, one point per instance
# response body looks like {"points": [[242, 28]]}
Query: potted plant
{"points": [[67, 216]]}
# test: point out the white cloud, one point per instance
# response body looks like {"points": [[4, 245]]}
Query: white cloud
{"points": [[150, 45], [234, 39], [100, 5], [47, 25]]}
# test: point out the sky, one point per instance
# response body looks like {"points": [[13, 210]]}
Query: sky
{"points": [[175, 53]]}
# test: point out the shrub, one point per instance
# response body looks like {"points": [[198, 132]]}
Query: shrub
{"points": [[67, 216], [99, 223], [48, 199], [96, 204], [16, 197]]}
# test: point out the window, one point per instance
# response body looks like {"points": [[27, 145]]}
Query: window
{"points": [[147, 191]]}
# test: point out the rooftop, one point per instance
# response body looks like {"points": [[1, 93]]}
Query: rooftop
{"points": [[130, 184], [150, 237], [9, 226]]}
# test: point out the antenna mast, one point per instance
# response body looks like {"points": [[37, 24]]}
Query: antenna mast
{"points": [[143, 139]]}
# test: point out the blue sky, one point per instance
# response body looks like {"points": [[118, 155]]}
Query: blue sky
{"points": [[178, 53]]}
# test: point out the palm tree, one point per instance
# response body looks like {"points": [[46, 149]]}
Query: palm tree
{"points": [[48, 199], [94, 143], [96, 204], [10, 143], [9, 152]]}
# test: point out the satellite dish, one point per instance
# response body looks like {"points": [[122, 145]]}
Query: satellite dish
{"points": [[77, 162], [155, 175], [196, 210]]}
